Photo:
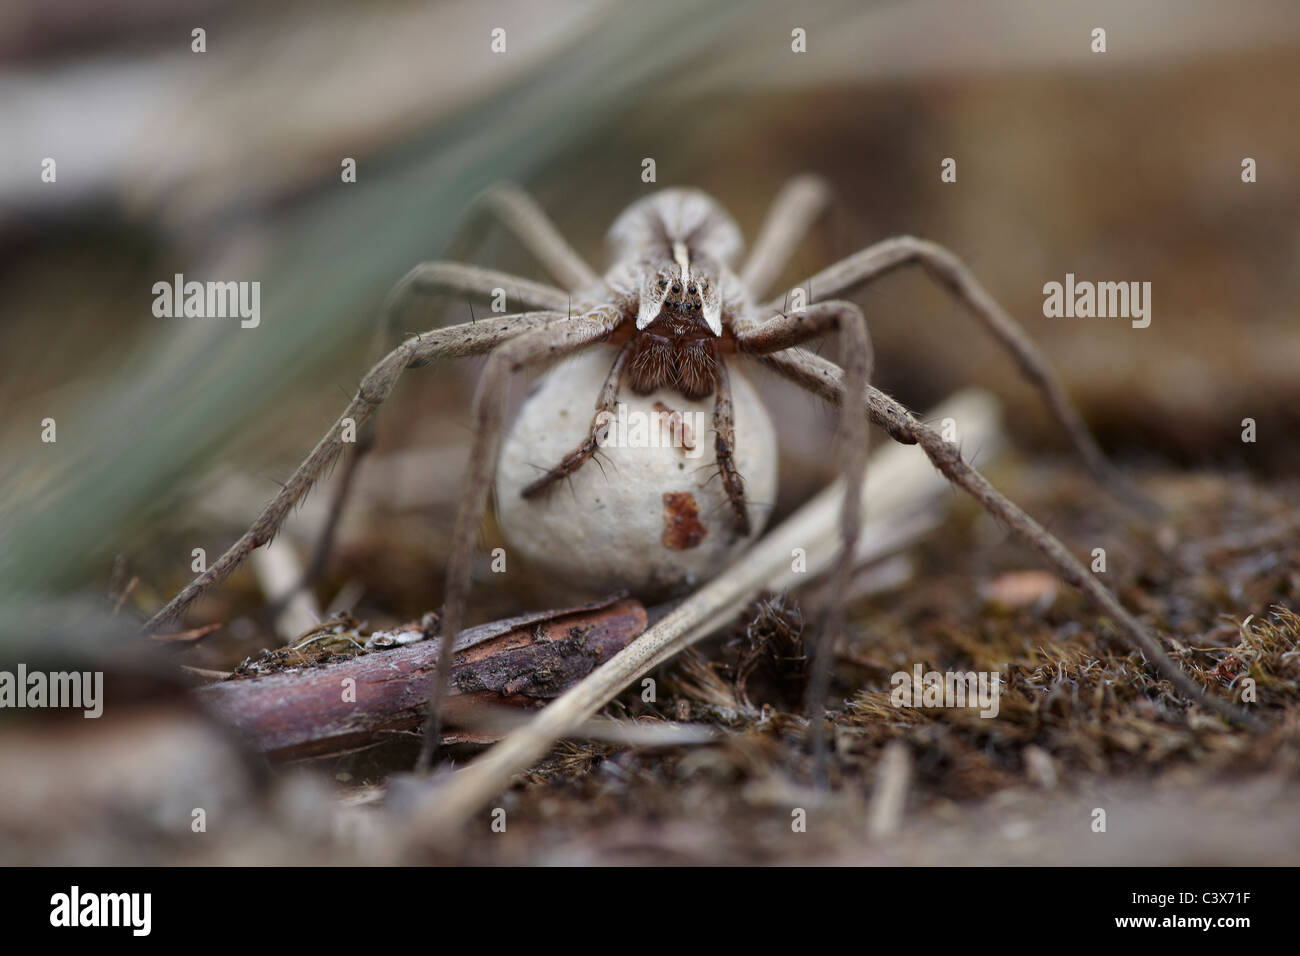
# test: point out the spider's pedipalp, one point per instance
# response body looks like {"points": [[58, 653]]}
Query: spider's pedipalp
{"points": [[724, 437], [606, 404]]}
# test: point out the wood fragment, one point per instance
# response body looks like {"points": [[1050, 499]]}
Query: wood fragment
{"points": [[522, 661], [279, 572], [206, 672], [885, 814]]}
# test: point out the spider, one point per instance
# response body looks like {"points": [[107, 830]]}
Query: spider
{"points": [[672, 313]]}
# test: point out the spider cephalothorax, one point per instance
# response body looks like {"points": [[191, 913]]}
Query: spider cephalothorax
{"points": [[675, 248], [678, 325]]}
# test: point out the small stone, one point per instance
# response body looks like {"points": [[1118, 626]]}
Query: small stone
{"points": [[1021, 589]]}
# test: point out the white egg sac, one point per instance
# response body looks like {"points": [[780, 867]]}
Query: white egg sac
{"points": [[649, 513]]}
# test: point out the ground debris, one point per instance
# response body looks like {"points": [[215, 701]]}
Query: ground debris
{"points": [[1079, 712]]}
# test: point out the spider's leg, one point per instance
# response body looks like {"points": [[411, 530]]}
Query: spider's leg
{"points": [[488, 417], [798, 203], [822, 378], [522, 216], [776, 335], [454, 342], [426, 280], [724, 446], [456, 279], [953, 275], [606, 405]]}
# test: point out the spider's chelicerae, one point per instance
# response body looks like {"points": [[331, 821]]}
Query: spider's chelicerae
{"points": [[674, 315]]}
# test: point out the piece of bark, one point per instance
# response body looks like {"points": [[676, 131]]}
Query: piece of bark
{"points": [[338, 706]]}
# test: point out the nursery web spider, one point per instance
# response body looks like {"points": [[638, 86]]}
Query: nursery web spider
{"points": [[673, 313]]}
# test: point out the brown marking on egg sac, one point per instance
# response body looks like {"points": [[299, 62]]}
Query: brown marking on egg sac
{"points": [[682, 527]]}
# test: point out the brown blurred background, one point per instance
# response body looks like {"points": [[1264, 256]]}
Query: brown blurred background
{"points": [[1121, 165], [225, 165]]}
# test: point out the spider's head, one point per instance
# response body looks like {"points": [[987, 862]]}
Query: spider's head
{"points": [[683, 288]]}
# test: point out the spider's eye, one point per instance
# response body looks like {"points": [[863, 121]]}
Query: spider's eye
{"points": [[677, 287], [662, 282], [691, 288]]}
